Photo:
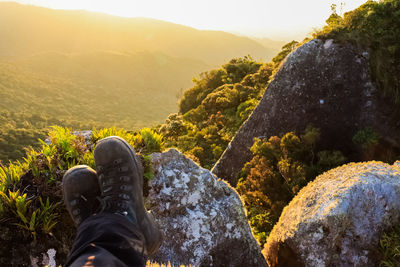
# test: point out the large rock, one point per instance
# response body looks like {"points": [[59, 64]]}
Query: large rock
{"points": [[202, 217], [338, 219], [321, 83]]}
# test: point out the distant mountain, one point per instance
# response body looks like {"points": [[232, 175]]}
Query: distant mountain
{"points": [[26, 30], [270, 44]]}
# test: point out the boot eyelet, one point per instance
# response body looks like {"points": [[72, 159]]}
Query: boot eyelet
{"points": [[123, 169], [117, 161], [124, 196], [124, 178]]}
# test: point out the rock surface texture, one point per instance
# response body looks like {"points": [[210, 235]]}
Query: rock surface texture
{"points": [[323, 84], [338, 219], [202, 217]]}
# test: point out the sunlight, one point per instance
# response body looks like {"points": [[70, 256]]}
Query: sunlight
{"points": [[256, 17]]}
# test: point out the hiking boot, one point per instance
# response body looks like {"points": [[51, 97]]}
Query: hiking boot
{"points": [[80, 191], [120, 175]]}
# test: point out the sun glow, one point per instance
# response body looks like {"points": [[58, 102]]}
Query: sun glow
{"points": [[254, 17]]}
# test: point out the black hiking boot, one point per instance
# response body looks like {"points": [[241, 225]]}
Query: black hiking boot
{"points": [[81, 191], [120, 175]]}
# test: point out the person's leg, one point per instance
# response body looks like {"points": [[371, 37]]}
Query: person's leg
{"points": [[107, 239], [122, 233]]}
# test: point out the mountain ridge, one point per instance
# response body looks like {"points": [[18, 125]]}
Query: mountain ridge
{"points": [[87, 31]]}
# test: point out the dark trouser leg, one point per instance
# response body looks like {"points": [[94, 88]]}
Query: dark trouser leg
{"points": [[107, 239]]}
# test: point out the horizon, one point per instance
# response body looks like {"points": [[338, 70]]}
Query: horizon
{"points": [[260, 19]]}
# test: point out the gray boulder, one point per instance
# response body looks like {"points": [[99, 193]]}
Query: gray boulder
{"points": [[338, 219], [203, 218], [322, 83]]}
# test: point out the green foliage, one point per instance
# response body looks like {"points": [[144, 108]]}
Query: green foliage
{"points": [[374, 26], [47, 215], [15, 202], [286, 50], [147, 141], [370, 146], [22, 203], [148, 172], [390, 248], [245, 109], [366, 138], [10, 174], [213, 110], [64, 151], [280, 167], [97, 135], [29, 225], [232, 72]]}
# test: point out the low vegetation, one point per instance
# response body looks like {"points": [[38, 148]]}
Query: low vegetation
{"points": [[279, 168], [390, 248], [30, 190]]}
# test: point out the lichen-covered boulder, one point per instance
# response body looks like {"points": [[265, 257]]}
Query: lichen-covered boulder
{"points": [[322, 83], [202, 218], [338, 219]]}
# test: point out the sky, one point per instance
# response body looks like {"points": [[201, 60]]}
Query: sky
{"points": [[275, 19]]}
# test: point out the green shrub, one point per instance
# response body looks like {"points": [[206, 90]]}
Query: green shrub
{"points": [[213, 110], [148, 141], [9, 175], [97, 135], [280, 167], [366, 138]]}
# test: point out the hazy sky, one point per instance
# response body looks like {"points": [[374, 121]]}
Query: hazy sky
{"points": [[262, 18]]}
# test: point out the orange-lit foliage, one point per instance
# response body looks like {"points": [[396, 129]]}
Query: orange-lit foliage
{"points": [[280, 167]]}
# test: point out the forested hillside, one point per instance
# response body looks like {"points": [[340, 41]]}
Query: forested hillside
{"points": [[82, 69], [85, 91]]}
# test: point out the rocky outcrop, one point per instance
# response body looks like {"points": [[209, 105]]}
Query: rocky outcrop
{"points": [[321, 83], [338, 219], [202, 217]]}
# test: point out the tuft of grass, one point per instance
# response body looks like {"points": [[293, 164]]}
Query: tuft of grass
{"points": [[9, 175], [390, 248], [97, 135]]}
